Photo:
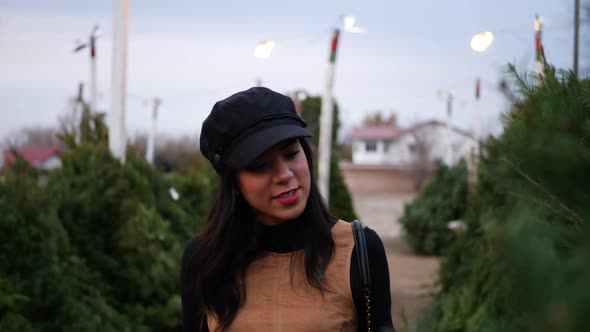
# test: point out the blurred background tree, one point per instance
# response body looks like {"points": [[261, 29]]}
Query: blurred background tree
{"points": [[379, 118], [520, 263], [98, 247], [340, 198]]}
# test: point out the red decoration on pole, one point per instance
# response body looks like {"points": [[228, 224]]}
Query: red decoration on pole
{"points": [[538, 42], [538, 45], [477, 88], [92, 48], [334, 46]]}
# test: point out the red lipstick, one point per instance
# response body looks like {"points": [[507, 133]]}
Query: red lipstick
{"points": [[288, 197]]}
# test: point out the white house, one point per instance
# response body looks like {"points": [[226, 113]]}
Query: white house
{"points": [[44, 159], [424, 142]]}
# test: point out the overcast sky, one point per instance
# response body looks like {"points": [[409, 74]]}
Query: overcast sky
{"points": [[193, 53]]}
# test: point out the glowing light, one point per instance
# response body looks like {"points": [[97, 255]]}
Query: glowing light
{"points": [[350, 25], [349, 22], [538, 23], [264, 49], [482, 41]]}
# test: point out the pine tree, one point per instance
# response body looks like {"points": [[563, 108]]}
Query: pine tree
{"points": [[98, 247], [520, 266]]}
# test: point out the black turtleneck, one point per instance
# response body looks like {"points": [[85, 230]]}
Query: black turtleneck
{"points": [[288, 237], [282, 238]]}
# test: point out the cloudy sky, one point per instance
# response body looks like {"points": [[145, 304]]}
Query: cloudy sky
{"points": [[193, 53]]}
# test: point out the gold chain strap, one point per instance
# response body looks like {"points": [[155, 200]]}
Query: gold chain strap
{"points": [[368, 306]]}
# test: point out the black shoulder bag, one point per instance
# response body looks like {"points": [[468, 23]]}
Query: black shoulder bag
{"points": [[363, 261]]}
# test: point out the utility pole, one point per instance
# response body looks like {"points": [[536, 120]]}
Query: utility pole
{"points": [[326, 119], [93, 92], [80, 92], [92, 47], [449, 157], [474, 153], [151, 144], [477, 116], [117, 130], [78, 112], [576, 34]]}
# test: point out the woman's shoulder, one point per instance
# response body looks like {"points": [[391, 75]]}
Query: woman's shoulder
{"points": [[372, 239], [340, 226]]}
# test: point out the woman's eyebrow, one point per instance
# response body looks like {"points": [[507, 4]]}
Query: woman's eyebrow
{"points": [[286, 144]]}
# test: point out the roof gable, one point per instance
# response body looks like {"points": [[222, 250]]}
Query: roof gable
{"points": [[393, 133], [33, 155], [378, 132]]}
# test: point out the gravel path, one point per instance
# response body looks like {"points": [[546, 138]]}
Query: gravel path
{"points": [[412, 276]]}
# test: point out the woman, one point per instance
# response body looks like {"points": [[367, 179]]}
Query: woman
{"points": [[271, 257]]}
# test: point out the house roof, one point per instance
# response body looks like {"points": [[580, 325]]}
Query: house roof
{"points": [[439, 123], [379, 132], [393, 133], [34, 155]]}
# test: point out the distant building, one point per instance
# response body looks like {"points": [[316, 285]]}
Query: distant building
{"points": [[426, 142], [389, 159], [44, 159]]}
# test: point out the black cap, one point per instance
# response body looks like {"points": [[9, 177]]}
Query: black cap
{"points": [[241, 127]]}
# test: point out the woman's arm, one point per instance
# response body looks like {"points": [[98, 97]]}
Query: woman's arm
{"points": [[380, 285], [191, 301]]}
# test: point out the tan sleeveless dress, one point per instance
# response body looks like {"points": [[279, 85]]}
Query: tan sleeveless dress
{"points": [[278, 303]]}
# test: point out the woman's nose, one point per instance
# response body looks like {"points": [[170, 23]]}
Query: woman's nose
{"points": [[282, 171]]}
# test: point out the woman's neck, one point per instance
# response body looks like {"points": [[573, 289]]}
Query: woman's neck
{"points": [[284, 237]]}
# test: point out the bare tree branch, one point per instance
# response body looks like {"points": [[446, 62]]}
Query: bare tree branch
{"points": [[422, 163]]}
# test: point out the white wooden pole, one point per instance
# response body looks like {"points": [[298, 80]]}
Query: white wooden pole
{"points": [[117, 130], [326, 116]]}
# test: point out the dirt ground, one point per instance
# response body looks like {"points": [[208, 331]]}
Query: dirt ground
{"points": [[412, 276]]}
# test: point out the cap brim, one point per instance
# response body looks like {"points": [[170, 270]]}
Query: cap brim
{"points": [[252, 146]]}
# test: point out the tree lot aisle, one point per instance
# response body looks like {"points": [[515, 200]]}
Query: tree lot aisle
{"points": [[412, 276]]}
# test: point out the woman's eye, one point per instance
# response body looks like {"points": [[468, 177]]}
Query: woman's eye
{"points": [[290, 155], [256, 168]]}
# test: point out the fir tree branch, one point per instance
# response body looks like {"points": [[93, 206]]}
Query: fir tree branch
{"points": [[548, 205], [574, 216]]}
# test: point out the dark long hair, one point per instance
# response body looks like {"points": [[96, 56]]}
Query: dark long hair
{"points": [[230, 243]]}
